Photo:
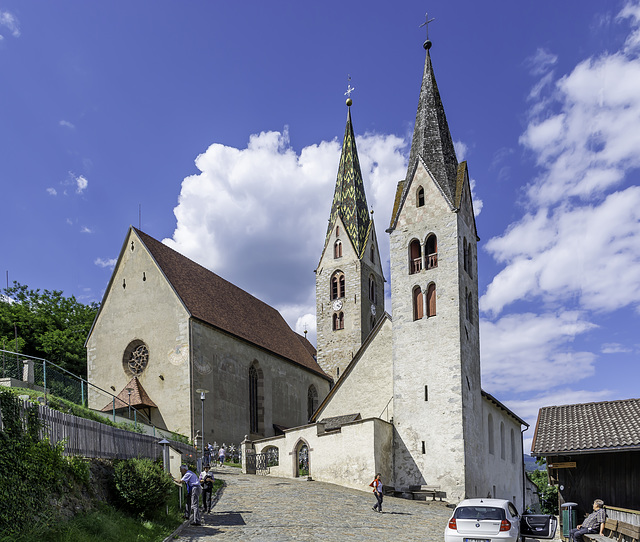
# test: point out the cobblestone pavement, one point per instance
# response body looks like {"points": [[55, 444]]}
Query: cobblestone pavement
{"points": [[267, 509]]}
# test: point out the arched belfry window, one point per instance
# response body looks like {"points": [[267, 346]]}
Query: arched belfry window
{"points": [[431, 300], [337, 249], [256, 397], [312, 401], [337, 285], [338, 321], [372, 289], [418, 303], [415, 257], [431, 251], [420, 197], [337, 231]]}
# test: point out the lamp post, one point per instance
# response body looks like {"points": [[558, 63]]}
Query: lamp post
{"points": [[202, 393], [129, 390]]}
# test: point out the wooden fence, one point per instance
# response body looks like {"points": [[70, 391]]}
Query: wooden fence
{"points": [[88, 438]]}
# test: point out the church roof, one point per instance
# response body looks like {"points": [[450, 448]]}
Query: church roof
{"points": [[431, 144], [588, 427], [215, 301], [139, 397], [349, 200]]}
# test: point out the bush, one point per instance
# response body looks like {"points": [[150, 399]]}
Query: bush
{"points": [[141, 485]]}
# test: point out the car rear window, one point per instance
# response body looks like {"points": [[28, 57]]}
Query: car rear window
{"points": [[479, 512]]}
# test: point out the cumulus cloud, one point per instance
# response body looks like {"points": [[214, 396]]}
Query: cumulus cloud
{"points": [[81, 184], [580, 239], [52, 191], [10, 22], [525, 352], [264, 209], [109, 262]]}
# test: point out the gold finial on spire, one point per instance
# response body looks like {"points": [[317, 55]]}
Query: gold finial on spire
{"points": [[350, 89]]}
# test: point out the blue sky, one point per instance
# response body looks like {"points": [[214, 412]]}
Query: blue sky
{"points": [[223, 121]]}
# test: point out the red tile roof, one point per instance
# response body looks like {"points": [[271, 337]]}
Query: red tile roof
{"points": [[139, 397], [219, 303], [587, 427]]}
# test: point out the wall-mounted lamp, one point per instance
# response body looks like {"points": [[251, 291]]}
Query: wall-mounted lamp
{"points": [[113, 388], [161, 377]]}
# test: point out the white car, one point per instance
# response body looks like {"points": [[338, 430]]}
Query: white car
{"points": [[489, 520]]}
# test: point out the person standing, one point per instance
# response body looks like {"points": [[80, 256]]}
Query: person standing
{"points": [[221, 455], [377, 491], [206, 481], [593, 523], [194, 489]]}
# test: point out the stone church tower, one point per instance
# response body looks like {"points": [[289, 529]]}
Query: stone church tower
{"points": [[436, 349], [349, 279]]}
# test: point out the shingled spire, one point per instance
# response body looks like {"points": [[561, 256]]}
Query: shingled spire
{"points": [[431, 137], [349, 200]]}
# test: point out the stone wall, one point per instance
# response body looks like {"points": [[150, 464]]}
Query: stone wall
{"points": [[368, 387], [350, 456]]}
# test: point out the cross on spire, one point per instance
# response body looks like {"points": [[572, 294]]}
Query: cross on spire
{"points": [[350, 89], [426, 23]]}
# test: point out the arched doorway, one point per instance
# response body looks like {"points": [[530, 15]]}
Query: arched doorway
{"points": [[302, 464]]}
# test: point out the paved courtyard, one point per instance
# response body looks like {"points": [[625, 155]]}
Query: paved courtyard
{"points": [[266, 509]]}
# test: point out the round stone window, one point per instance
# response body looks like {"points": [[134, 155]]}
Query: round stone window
{"points": [[136, 358]]}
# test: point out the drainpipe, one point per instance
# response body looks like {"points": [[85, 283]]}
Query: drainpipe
{"points": [[524, 474]]}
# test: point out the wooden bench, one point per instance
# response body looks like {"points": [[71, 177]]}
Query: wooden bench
{"points": [[616, 530], [420, 493]]}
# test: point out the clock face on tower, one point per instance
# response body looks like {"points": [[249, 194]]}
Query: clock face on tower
{"points": [[337, 304], [373, 310]]}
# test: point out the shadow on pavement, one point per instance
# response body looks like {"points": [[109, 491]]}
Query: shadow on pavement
{"points": [[226, 518]]}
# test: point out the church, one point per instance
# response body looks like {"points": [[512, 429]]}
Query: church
{"points": [[393, 394], [407, 400]]}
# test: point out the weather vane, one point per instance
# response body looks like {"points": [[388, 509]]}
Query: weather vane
{"points": [[426, 23], [350, 89]]}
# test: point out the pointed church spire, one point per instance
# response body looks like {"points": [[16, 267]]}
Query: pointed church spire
{"points": [[349, 200], [431, 137]]}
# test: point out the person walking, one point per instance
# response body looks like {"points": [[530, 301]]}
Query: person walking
{"points": [[194, 489], [206, 481], [377, 491], [221, 455]]}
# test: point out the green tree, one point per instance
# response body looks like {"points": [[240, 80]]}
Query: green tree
{"points": [[48, 324], [548, 493]]}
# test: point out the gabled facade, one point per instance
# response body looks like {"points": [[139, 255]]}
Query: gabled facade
{"points": [[177, 327], [349, 279]]}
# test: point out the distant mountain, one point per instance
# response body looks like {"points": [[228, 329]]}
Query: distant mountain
{"points": [[530, 464]]}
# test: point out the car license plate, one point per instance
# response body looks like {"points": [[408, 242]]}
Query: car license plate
{"points": [[475, 540]]}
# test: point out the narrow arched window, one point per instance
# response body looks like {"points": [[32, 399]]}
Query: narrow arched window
{"points": [[418, 303], [312, 401], [253, 399], [431, 300], [373, 322], [420, 197], [513, 446], [337, 231], [337, 285], [337, 249], [490, 434], [341, 320], [465, 255], [415, 257], [470, 260], [372, 289], [469, 307], [335, 321], [502, 441], [373, 253], [431, 251]]}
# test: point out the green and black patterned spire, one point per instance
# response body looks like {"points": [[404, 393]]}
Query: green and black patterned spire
{"points": [[349, 200]]}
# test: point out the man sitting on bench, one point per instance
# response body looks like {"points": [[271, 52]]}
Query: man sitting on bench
{"points": [[593, 523]]}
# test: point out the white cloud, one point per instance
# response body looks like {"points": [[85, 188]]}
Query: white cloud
{"points": [[81, 184], [265, 208], [615, 348], [531, 352], [10, 22], [542, 61], [110, 262], [477, 202], [632, 11], [461, 149], [66, 124], [52, 191], [84, 229]]}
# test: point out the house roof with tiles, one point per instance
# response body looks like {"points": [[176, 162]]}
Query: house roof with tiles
{"points": [[587, 428], [215, 301]]}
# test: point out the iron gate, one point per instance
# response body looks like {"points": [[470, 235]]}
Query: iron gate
{"points": [[257, 462]]}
